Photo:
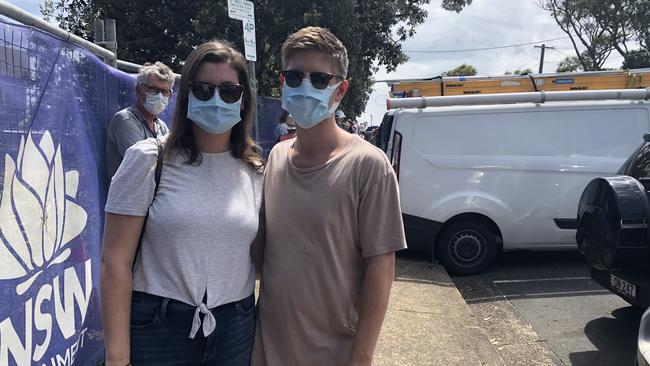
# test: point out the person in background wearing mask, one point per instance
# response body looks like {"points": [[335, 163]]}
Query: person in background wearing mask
{"points": [[188, 299], [340, 118], [291, 129], [333, 222], [281, 128], [140, 121]]}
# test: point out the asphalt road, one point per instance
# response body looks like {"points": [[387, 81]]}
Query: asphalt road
{"points": [[542, 308]]}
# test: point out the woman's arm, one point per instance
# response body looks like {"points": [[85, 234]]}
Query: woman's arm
{"points": [[121, 237]]}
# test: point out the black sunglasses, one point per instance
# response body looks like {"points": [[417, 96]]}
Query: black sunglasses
{"points": [[320, 80], [204, 91]]}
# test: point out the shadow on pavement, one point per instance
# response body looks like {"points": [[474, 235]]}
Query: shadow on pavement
{"points": [[529, 275], [615, 344], [416, 268]]}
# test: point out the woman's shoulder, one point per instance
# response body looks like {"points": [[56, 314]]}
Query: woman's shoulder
{"points": [[256, 173], [143, 152]]}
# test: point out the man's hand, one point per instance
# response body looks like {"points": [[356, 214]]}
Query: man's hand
{"points": [[373, 303], [359, 361]]}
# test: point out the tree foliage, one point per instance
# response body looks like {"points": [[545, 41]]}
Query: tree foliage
{"points": [[455, 5], [599, 27], [637, 59], [519, 72], [461, 70], [569, 64], [578, 19], [168, 30]]}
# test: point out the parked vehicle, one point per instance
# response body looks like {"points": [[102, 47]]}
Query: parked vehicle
{"points": [[613, 234], [475, 180], [643, 343], [367, 134]]}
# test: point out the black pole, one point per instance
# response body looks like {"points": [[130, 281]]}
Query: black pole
{"points": [[541, 60]]}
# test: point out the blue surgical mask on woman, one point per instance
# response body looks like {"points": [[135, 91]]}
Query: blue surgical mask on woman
{"points": [[307, 105], [214, 115]]}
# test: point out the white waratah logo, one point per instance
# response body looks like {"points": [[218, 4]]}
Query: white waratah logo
{"points": [[38, 215]]}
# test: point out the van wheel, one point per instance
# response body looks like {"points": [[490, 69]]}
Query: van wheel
{"points": [[466, 247]]}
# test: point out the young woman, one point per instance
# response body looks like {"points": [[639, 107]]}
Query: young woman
{"points": [[184, 295]]}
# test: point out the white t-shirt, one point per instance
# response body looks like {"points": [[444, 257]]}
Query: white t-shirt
{"points": [[200, 227]]}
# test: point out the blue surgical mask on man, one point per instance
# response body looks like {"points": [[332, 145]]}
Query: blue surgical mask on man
{"points": [[214, 115], [307, 105]]}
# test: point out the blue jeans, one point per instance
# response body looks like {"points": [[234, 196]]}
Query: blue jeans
{"points": [[160, 330]]}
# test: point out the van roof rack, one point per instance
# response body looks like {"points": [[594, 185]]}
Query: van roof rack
{"points": [[513, 98], [470, 85]]}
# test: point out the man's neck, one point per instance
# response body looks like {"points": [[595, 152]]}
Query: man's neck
{"points": [[323, 138], [151, 118]]}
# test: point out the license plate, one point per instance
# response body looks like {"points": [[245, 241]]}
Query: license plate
{"points": [[622, 286]]}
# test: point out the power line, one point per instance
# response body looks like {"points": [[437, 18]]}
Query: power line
{"points": [[522, 60], [525, 62], [559, 50], [486, 48]]}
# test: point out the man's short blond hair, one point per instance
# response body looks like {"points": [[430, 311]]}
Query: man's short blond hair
{"points": [[320, 40], [157, 69]]}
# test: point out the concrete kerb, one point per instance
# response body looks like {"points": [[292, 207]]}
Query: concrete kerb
{"points": [[429, 323]]}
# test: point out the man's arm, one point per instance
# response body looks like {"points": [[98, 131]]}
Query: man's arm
{"points": [[373, 303], [127, 132]]}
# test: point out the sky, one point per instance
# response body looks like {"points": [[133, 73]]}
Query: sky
{"points": [[486, 23]]}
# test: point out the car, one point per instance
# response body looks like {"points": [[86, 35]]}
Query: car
{"points": [[613, 233], [476, 180], [643, 343], [367, 133]]}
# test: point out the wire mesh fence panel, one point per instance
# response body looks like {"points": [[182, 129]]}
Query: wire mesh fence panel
{"points": [[55, 102]]}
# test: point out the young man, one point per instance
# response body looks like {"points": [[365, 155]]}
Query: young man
{"points": [[333, 222]]}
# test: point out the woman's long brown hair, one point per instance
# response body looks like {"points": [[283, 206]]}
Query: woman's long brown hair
{"points": [[181, 137]]}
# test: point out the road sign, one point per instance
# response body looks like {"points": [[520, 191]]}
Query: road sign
{"points": [[241, 9], [249, 40]]}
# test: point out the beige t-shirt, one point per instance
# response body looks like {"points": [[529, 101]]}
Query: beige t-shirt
{"points": [[321, 223]]}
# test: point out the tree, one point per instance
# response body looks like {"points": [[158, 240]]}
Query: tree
{"points": [[578, 20], [637, 59], [519, 72], [569, 64], [462, 70], [149, 30], [455, 5], [602, 26]]}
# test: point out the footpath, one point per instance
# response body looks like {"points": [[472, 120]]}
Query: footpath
{"points": [[429, 323]]}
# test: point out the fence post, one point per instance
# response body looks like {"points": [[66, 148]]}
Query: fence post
{"points": [[111, 38], [99, 34]]}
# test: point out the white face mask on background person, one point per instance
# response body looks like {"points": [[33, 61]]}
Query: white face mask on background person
{"points": [[156, 103]]}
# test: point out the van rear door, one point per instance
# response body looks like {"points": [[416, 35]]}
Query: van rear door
{"points": [[383, 140]]}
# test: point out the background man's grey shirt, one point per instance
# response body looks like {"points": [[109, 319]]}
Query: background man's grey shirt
{"points": [[127, 127]]}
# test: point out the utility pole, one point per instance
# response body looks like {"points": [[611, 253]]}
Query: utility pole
{"points": [[541, 60]]}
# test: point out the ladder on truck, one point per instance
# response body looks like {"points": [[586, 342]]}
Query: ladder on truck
{"points": [[471, 85], [638, 95]]}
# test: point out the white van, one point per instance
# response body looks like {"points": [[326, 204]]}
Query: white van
{"points": [[475, 180]]}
